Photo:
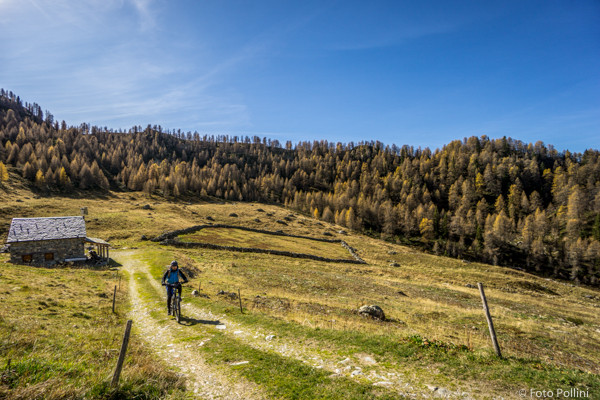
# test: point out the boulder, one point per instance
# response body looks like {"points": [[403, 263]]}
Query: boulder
{"points": [[144, 237], [195, 293], [392, 252], [394, 264], [342, 232], [146, 207], [372, 311], [209, 218], [470, 286], [231, 295], [327, 233], [281, 222], [233, 215]]}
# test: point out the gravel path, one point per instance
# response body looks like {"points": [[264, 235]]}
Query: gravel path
{"points": [[203, 380], [360, 368]]}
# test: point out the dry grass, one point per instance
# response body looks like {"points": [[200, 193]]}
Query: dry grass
{"points": [[241, 238], [528, 324], [60, 339], [536, 318]]}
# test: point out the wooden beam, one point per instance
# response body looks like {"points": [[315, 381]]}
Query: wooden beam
{"points": [[117, 374], [489, 320]]}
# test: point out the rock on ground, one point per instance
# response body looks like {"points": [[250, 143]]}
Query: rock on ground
{"points": [[372, 311]]}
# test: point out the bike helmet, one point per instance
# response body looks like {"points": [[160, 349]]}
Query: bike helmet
{"points": [[174, 263]]}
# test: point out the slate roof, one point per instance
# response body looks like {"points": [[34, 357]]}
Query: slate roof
{"points": [[96, 241], [34, 229]]}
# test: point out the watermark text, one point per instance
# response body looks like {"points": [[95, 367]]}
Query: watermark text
{"points": [[560, 393]]}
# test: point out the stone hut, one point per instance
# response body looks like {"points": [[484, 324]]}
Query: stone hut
{"points": [[48, 241]]}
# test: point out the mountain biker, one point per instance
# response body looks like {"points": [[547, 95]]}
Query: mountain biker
{"points": [[171, 277]]}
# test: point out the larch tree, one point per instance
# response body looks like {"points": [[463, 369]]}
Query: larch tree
{"points": [[549, 198], [574, 212], [3, 173], [40, 181]]}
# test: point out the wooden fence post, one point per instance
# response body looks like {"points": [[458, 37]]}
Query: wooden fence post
{"points": [[489, 320], [240, 297], [114, 298], [117, 374]]}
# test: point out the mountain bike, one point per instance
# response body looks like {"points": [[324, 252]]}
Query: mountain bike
{"points": [[175, 300]]}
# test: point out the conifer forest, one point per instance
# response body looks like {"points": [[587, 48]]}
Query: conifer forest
{"points": [[501, 201]]}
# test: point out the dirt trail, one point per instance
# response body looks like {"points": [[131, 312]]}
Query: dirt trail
{"points": [[352, 368], [202, 379]]}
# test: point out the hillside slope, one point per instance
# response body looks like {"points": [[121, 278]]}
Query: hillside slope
{"points": [[435, 336]]}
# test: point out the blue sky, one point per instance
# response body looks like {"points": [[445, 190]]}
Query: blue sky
{"points": [[406, 72]]}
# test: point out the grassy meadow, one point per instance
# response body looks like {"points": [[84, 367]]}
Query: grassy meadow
{"points": [[436, 333], [60, 338], [241, 238]]}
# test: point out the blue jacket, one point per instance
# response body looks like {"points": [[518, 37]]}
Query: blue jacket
{"points": [[173, 276]]}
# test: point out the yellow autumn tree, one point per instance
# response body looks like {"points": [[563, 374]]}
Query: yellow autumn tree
{"points": [[63, 179], [426, 229], [3, 173], [39, 179]]}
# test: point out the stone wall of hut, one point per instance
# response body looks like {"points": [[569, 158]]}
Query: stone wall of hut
{"points": [[46, 252]]}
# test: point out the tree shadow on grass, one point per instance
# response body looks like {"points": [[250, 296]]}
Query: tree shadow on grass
{"points": [[186, 321]]}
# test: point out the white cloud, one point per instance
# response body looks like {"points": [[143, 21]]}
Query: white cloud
{"points": [[92, 61], [146, 14]]}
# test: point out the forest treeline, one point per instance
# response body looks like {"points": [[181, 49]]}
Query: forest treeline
{"points": [[495, 200]]}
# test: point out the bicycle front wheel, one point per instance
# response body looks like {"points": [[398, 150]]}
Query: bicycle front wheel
{"points": [[174, 304], [178, 308]]}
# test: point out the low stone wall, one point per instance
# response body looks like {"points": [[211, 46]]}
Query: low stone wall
{"points": [[196, 228], [178, 243], [352, 251], [170, 238]]}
